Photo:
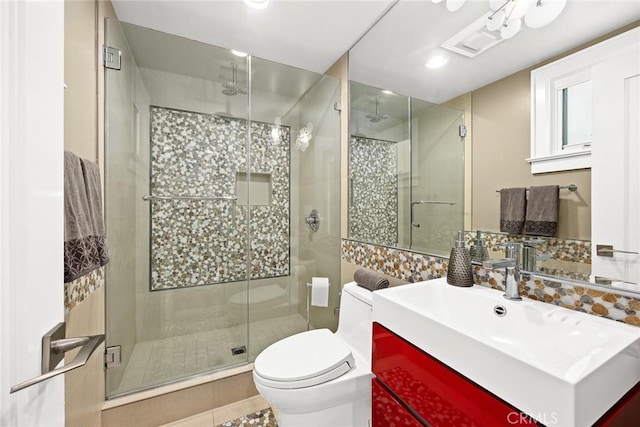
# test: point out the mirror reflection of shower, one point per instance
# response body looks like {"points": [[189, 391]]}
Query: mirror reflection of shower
{"points": [[406, 166], [377, 117]]}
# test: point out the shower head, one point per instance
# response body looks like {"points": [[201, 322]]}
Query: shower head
{"points": [[230, 91], [377, 117], [374, 118], [232, 88]]}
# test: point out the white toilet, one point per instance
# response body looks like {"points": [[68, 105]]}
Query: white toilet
{"points": [[318, 378]]}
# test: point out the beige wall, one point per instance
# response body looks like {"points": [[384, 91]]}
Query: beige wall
{"points": [[80, 130], [501, 127], [84, 388]]}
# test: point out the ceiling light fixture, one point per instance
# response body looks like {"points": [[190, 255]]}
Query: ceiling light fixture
{"points": [[257, 4], [239, 53], [436, 61], [544, 12], [507, 17], [387, 91], [453, 5], [508, 14]]}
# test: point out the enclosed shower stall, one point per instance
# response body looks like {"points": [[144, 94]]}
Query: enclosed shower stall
{"points": [[406, 171], [213, 161]]}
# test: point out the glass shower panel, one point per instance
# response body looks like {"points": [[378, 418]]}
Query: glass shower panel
{"points": [[175, 149], [292, 122], [437, 195]]}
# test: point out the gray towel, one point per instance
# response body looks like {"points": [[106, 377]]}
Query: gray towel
{"points": [[370, 279], [84, 241], [542, 211], [512, 209]]}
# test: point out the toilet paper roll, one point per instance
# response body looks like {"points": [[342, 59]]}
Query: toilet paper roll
{"points": [[320, 291]]}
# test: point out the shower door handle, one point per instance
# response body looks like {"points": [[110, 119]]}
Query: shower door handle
{"points": [[53, 349]]}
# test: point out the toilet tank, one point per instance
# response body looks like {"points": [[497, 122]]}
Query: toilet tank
{"points": [[354, 323]]}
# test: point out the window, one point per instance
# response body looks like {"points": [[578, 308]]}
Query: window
{"points": [[561, 108]]}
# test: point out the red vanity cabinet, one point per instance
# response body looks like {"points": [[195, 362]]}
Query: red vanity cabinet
{"points": [[411, 388], [430, 392]]}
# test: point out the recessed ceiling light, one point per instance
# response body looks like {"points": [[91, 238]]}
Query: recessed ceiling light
{"points": [[436, 61], [387, 91], [239, 53], [257, 4]]}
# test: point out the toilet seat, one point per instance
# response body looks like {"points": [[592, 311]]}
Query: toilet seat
{"points": [[303, 360]]}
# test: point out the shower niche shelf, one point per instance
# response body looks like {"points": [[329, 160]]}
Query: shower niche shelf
{"points": [[259, 188]]}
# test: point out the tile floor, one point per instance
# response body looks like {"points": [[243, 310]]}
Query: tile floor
{"points": [[254, 412], [160, 361]]}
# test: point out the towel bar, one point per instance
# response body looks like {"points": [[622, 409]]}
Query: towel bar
{"points": [[570, 187]]}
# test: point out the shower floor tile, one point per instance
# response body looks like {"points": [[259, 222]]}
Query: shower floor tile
{"points": [[164, 360]]}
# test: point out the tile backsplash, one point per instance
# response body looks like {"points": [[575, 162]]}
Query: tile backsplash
{"points": [[414, 267], [79, 290], [401, 264]]}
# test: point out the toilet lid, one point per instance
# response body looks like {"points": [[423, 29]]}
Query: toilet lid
{"points": [[303, 360]]}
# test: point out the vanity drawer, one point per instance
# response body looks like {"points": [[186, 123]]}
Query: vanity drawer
{"points": [[387, 411], [437, 393]]}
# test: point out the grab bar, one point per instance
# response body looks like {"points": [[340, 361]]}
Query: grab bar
{"points": [[430, 202], [151, 198], [53, 350]]}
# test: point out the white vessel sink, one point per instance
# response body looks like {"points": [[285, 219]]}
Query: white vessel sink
{"points": [[557, 365]]}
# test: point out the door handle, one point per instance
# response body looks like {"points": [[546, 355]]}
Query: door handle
{"points": [[53, 350], [608, 251]]}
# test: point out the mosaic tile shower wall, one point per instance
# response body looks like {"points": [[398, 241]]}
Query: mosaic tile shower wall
{"points": [[203, 242], [373, 177]]}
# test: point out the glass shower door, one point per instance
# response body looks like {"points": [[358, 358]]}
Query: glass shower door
{"points": [[175, 137], [437, 191]]}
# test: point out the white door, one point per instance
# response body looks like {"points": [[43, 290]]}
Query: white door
{"points": [[615, 165], [31, 205]]}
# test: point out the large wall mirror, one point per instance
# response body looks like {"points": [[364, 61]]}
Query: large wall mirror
{"points": [[485, 84]]}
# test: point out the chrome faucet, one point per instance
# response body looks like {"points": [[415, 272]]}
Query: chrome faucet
{"points": [[511, 265]]}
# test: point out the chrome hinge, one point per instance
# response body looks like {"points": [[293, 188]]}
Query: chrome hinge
{"points": [[462, 131], [336, 311], [112, 357], [111, 57], [337, 106]]}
